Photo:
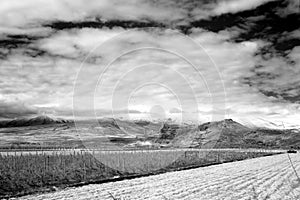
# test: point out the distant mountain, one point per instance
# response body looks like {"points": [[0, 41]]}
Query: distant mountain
{"points": [[35, 121], [227, 134]]}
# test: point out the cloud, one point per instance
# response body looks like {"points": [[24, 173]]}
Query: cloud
{"points": [[234, 6], [77, 43], [15, 110], [175, 110], [276, 78], [16, 13], [292, 8], [229, 48]]}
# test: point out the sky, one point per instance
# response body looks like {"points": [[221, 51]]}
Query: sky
{"points": [[200, 60]]}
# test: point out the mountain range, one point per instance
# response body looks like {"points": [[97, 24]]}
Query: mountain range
{"points": [[219, 134]]}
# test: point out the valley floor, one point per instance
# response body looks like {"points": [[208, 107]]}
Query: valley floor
{"points": [[261, 178]]}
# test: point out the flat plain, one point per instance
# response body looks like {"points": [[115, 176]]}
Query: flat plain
{"points": [[271, 177]]}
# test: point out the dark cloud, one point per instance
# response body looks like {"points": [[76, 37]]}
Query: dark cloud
{"points": [[262, 23], [98, 23], [8, 45], [277, 80], [284, 94], [14, 44]]}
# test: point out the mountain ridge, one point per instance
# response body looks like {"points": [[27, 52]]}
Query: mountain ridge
{"points": [[34, 121]]}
